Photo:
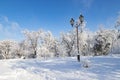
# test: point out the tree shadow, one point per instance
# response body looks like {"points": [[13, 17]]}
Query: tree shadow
{"points": [[37, 66]]}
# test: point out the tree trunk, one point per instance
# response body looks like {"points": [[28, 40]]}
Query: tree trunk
{"points": [[35, 54]]}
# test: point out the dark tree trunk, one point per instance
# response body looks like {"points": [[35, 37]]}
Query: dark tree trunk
{"points": [[69, 54], [35, 54]]}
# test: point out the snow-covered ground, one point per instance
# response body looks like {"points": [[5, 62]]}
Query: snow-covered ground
{"points": [[100, 68]]}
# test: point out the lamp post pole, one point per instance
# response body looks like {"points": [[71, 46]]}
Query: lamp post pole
{"points": [[78, 23], [78, 55]]}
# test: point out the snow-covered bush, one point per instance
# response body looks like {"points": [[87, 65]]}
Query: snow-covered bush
{"points": [[86, 63]]}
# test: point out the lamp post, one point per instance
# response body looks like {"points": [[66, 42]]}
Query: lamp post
{"points": [[76, 25]]}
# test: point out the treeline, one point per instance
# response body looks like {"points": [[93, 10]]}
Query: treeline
{"points": [[42, 44]]}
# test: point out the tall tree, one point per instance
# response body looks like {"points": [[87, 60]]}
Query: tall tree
{"points": [[33, 38], [48, 44]]}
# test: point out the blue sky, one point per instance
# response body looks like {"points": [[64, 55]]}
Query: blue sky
{"points": [[54, 15]]}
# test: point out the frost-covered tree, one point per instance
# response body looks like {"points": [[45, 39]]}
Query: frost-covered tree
{"points": [[117, 23], [22, 49], [48, 45], [68, 41], [7, 48], [104, 41], [83, 45], [87, 43], [33, 38], [116, 44], [60, 48]]}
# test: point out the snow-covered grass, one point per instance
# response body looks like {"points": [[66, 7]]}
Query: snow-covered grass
{"points": [[100, 68]]}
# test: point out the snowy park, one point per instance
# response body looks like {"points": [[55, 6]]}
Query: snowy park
{"points": [[59, 40]]}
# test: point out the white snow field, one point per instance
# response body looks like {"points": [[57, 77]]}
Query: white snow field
{"points": [[100, 68]]}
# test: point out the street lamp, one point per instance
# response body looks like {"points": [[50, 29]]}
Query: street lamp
{"points": [[76, 25]]}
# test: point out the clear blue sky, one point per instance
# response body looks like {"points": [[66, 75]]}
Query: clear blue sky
{"points": [[54, 15]]}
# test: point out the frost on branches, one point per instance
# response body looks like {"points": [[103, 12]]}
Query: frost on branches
{"points": [[32, 38], [68, 42], [48, 45], [43, 44], [104, 41], [7, 49]]}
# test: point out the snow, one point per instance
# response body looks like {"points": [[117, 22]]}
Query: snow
{"points": [[100, 68]]}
